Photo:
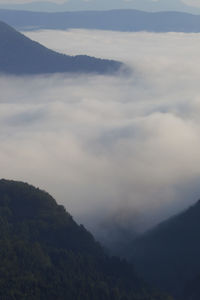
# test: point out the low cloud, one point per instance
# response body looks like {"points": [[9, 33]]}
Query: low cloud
{"points": [[109, 148]]}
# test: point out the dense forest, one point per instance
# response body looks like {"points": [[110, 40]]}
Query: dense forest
{"points": [[168, 255], [46, 255]]}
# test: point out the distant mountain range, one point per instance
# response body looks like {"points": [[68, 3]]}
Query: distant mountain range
{"points": [[46, 255], [74, 5], [119, 20], [169, 255], [19, 55]]}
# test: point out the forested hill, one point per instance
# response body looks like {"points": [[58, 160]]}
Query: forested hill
{"points": [[119, 20], [20, 56], [46, 255], [168, 256]]}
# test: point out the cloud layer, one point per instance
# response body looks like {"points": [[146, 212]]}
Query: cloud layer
{"points": [[109, 148]]}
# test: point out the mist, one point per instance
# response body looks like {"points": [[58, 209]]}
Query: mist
{"points": [[116, 151]]}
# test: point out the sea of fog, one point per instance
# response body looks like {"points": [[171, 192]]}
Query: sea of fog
{"points": [[112, 149]]}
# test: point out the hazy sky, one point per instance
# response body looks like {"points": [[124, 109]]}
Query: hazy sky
{"points": [[59, 5], [189, 2], [109, 147]]}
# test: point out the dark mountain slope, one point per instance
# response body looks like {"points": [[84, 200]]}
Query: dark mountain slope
{"points": [[169, 255], [20, 55], [46, 255], [121, 20]]}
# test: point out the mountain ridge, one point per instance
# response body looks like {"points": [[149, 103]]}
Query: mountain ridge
{"points": [[117, 20], [45, 254], [19, 55], [74, 5], [168, 255]]}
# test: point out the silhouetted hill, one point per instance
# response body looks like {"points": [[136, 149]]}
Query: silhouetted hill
{"points": [[121, 20], [20, 55], [46, 255], [169, 255]]}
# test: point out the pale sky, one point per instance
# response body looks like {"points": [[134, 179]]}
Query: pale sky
{"points": [[193, 2], [188, 2], [192, 6]]}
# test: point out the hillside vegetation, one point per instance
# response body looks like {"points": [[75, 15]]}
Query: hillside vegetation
{"points": [[46, 255], [168, 255]]}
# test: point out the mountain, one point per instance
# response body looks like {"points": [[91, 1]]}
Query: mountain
{"points": [[74, 5], [19, 55], [121, 20], [46, 255], [169, 255]]}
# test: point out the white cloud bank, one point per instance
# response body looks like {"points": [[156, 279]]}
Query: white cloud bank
{"points": [[104, 145]]}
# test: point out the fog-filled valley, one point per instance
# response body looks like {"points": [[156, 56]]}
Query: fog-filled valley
{"points": [[120, 152]]}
